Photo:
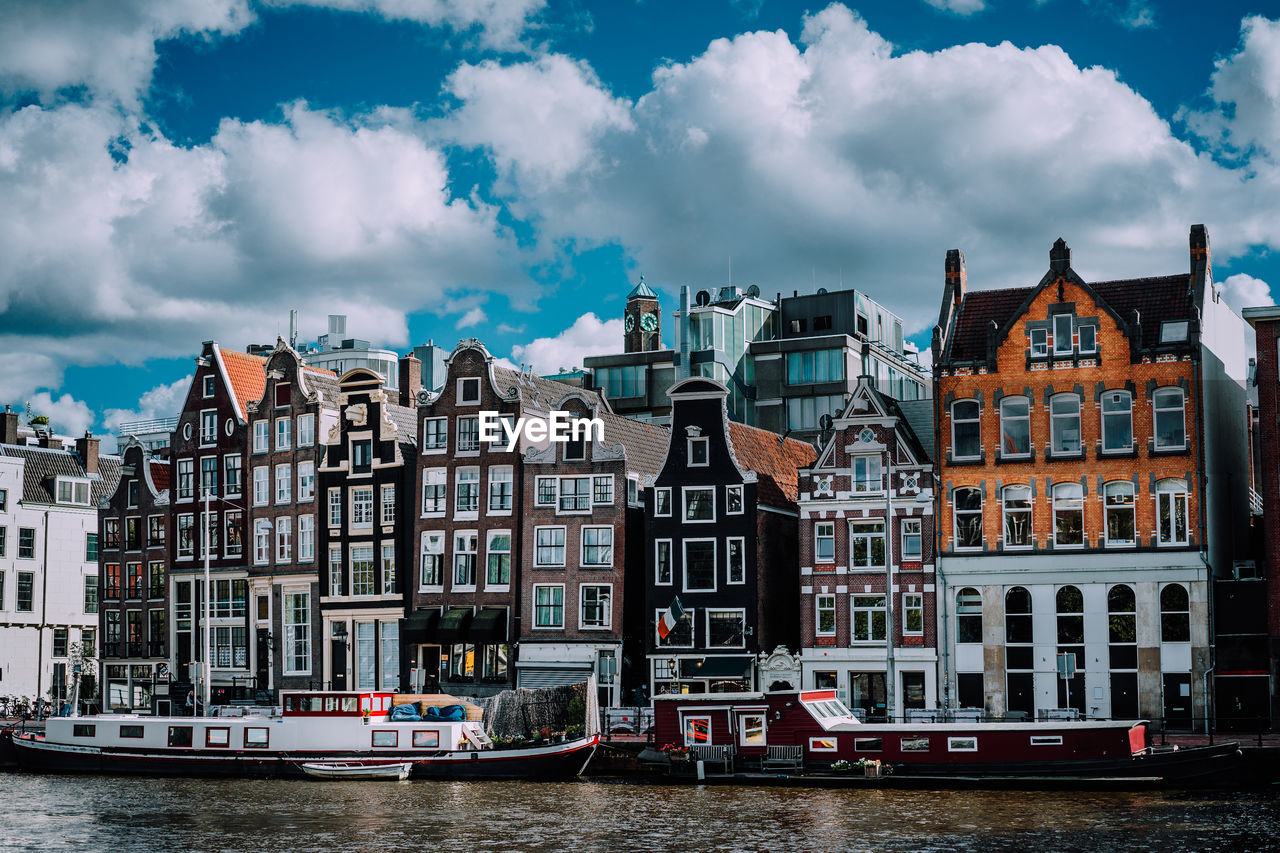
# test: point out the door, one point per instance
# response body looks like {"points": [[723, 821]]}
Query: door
{"points": [[262, 638], [1124, 695], [338, 654], [867, 693], [1177, 701], [913, 689]]}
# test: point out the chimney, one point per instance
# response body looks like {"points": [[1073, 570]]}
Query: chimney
{"points": [[1060, 256], [1201, 268], [410, 380], [9, 427], [87, 450], [48, 440]]}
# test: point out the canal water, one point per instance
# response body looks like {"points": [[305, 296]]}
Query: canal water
{"points": [[39, 813]]}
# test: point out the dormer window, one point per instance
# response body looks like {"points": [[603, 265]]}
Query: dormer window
{"points": [[73, 491], [282, 395], [1062, 342], [1173, 331], [698, 452]]}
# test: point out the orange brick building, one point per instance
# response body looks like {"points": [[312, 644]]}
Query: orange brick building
{"points": [[1086, 434]]}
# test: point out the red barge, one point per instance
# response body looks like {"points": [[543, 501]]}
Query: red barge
{"points": [[810, 731]]}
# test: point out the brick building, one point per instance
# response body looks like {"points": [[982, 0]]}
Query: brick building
{"points": [[1086, 434], [868, 621]]}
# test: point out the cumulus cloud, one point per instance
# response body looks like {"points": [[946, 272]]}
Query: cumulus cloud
{"points": [[589, 335], [959, 7], [498, 24], [1245, 90], [1244, 291], [67, 415], [162, 401], [474, 317]]}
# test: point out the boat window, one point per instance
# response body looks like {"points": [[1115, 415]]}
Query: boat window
{"points": [[331, 703], [962, 744], [256, 737], [426, 739], [914, 744], [1046, 740], [131, 731], [291, 703], [366, 703], [386, 737], [217, 737], [82, 730], [822, 744], [314, 704], [751, 729], [179, 735], [867, 744], [697, 730], [349, 703]]}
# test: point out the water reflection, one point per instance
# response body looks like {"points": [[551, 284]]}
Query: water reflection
{"points": [[102, 813]]}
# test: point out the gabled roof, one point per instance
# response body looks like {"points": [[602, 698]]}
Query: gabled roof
{"points": [[776, 461], [246, 375], [919, 416], [44, 464], [645, 443]]}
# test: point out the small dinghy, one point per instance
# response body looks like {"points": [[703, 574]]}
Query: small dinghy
{"points": [[355, 770]]}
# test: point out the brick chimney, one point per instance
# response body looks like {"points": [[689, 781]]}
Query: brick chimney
{"points": [[87, 450], [410, 380], [48, 440], [9, 427]]}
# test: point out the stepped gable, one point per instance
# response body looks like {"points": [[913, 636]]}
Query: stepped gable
{"points": [[776, 461]]}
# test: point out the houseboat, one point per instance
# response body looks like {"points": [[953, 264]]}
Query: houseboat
{"points": [[310, 728], [816, 730]]}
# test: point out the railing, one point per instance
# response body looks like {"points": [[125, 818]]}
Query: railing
{"points": [[151, 425]]}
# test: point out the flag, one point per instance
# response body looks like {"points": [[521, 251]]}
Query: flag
{"points": [[669, 619]]}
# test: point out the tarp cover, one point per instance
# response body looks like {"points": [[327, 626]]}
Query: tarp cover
{"points": [[405, 713], [451, 713]]}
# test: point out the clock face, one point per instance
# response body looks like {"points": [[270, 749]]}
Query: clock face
{"points": [[649, 322], [630, 323]]}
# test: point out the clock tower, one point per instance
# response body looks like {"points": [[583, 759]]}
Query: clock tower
{"points": [[642, 320]]}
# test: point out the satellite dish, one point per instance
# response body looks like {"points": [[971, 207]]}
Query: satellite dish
{"points": [[753, 291], [822, 290], [825, 422], [703, 297]]}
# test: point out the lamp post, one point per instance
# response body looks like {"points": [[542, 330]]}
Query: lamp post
{"points": [[206, 693]]}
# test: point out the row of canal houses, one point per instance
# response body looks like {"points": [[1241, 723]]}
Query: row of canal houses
{"points": [[1073, 485]]}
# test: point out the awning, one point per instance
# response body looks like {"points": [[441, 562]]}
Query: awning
{"points": [[489, 626], [453, 625], [551, 675], [420, 626], [716, 666]]}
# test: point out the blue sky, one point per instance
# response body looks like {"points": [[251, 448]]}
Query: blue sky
{"points": [[178, 170]]}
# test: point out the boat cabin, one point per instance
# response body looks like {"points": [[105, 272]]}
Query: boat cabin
{"points": [[327, 704]]}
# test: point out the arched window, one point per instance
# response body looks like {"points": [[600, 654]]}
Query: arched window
{"points": [[1070, 606], [1170, 422], [1015, 426], [1117, 500], [1171, 511], [965, 431], [968, 517], [1175, 614], [1017, 516], [1019, 652], [968, 616], [1117, 421], [1122, 637], [1064, 422], [1017, 616], [1068, 514]]}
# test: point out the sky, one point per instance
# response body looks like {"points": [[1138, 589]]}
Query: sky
{"points": [[175, 171]]}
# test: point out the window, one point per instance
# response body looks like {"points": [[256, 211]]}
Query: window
{"points": [[498, 549], [505, 428], [622, 381], [362, 570], [602, 491], [548, 546], [186, 479], [699, 504], [208, 427], [866, 543], [156, 572], [435, 434], [1118, 501], [548, 605], [546, 492], [388, 504], [1171, 511], [1068, 514], [230, 647], [736, 559], [1017, 516], [468, 433], [464, 558], [468, 390], [335, 507], [426, 739], [1062, 343], [256, 737], [90, 548], [868, 618], [597, 546], [467, 491], [596, 610], [1175, 614], [662, 501], [262, 541], [362, 456], [824, 541], [1122, 628], [1174, 331], [90, 593], [1087, 338], [1117, 421], [306, 481], [133, 580], [697, 730], [911, 539], [913, 614], [681, 636], [297, 632], [725, 629], [208, 386], [155, 531], [261, 435], [261, 486], [805, 412], [306, 430], [1170, 425], [866, 474], [284, 539], [284, 484], [434, 487], [575, 449], [965, 434], [388, 568], [698, 452], [968, 616], [662, 561], [282, 395], [231, 474], [700, 565], [806, 368], [967, 507], [186, 530], [335, 570], [4, 531], [962, 744], [1015, 426], [110, 533], [575, 494], [733, 500], [132, 497], [825, 608], [1064, 423], [362, 507], [1039, 343], [230, 599], [500, 488], [432, 571]]}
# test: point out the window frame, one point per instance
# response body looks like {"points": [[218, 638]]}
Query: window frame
{"points": [[1157, 410], [605, 605], [1007, 420], [551, 606], [685, 492], [1111, 397], [684, 563], [957, 421], [1059, 423]]}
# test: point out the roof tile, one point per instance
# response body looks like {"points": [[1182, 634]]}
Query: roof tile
{"points": [[776, 461]]}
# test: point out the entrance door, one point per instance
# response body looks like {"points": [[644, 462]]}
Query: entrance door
{"points": [[913, 689], [1124, 695], [262, 638], [866, 692], [338, 654], [1177, 700]]}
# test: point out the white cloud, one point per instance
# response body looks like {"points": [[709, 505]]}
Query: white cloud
{"points": [[162, 401], [474, 317], [108, 47], [1245, 90], [499, 24], [1244, 291], [508, 329], [589, 335], [67, 415], [959, 7]]}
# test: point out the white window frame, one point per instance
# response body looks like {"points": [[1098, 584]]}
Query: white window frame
{"points": [[306, 430], [360, 520], [472, 423], [1166, 491], [467, 476], [499, 475], [262, 532], [912, 601], [906, 534], [1157, 410], [538, 491], [824, 531], [231, 475], [208, 386], [1108, 490], [684, 564], [729, 542], [536, 614], [1111, 397], [606, 607], [387, 504], [956, 420], [824, 602], [1039, 343], [659, 494], [433, 479], [261, 436], [432, 544], [441, 434], [284, 434], [582, 503], [685, 491], [740, 611], [284, 484], [657, 563], [861, 529], [729, 492], [464, 537], [462, 398], [855, 609], [602, 492], [1063, 345], [1060, 491], [490, 551], [306, 538], [262, 485], [297, 642], [866, 474], [1005, 453], [284, 539], [306, 481], [334, 514], [1059, 424], [208, 427], [1006, 512], [704, 444], [563, 546], [582, 547]]}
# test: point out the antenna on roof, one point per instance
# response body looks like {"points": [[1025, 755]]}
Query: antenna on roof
{"points": [[731, 270]]}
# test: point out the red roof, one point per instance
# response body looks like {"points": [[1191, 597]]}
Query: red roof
{"points": [[775, 459], [160, 475], [247, 375]]}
